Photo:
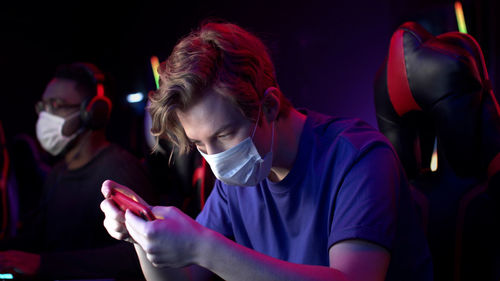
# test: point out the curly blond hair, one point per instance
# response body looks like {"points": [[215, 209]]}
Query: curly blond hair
{"points": [[221, 57]]}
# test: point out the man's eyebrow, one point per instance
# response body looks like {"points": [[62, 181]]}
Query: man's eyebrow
{"points": [[223, 128]]}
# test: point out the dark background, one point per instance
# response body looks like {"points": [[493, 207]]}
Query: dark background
{"points": [[326, 52]]}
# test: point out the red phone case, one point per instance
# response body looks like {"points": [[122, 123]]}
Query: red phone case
{"points": [[124, 202]]}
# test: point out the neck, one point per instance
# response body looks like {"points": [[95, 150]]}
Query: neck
{"points": [[286, 146], [88, 145]]}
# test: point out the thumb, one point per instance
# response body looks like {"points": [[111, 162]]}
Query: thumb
{"points": [[162, 212], [106, 188], [108, 185]]}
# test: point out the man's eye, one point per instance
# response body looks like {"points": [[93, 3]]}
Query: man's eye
{"points": [[200, 147], [55, 104], [224, 135], [196, 144]]}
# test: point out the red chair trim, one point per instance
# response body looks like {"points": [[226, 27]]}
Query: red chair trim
{"points": [[397, 80]]}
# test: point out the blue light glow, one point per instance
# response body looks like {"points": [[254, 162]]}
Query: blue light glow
{"points": [[4, 276], [136, 97]]}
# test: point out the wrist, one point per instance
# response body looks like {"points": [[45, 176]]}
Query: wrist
{"points": [[206, 246]]}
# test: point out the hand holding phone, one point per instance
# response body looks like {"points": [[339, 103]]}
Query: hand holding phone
{"points": [[125, 202]]}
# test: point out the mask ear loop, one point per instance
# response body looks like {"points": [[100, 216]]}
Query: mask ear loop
{"points": [[268, 90], [256, 123], [260, 108], [272, 139]]}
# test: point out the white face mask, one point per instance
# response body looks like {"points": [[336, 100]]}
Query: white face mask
{"points": [[49, 132], [241, 165]]}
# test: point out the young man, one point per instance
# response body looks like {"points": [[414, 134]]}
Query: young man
{"points": [[299, 195], [67, 240]]}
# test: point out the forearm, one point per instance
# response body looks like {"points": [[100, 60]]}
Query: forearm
{"points": [[232, 261], [153, 273]]}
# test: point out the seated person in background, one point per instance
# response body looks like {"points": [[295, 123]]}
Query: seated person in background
{"points": [[299, 195], [67, 239]]}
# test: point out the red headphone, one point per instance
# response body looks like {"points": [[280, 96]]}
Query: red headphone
{"points": [[95, 111]]}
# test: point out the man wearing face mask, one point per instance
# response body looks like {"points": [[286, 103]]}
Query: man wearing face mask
{"points": [[66, 238], [299, 195]]}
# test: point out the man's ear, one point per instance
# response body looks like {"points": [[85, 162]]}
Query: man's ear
{"points": [[72, 125], [271, 104]]}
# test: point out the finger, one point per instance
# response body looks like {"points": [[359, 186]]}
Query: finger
{"points": [[159, 264], [119, 236], [111, 211], [156, 260], [117, 230], [107, 185], [137, 228], [167, 212], [112, 226], [160, 212]]}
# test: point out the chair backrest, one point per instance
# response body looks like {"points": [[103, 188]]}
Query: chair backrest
{"points": [[439, 85], [437, 88]]}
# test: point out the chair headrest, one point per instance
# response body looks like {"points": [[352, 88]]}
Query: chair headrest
{"points": [[438, 86]]}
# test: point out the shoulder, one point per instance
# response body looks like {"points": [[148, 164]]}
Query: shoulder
{"points": [[116, 161], [121, 166], [114, 154], [339, 144], [349, 133]]}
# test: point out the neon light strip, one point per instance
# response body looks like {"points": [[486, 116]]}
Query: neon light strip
{"points": [[100, 90], [4, 276], [434, 157], [154, 65], [459, 11]]}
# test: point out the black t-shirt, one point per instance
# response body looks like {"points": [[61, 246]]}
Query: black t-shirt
{"points": [[69, 229]]}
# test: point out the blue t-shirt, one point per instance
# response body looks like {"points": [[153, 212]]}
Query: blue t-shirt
{"points": [[346, 183]]}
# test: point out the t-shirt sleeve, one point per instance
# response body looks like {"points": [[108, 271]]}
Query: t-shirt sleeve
{"points": [[215, 215], [366, 203]]}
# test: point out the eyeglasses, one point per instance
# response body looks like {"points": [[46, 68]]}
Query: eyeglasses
{"points": [[53, 106]]}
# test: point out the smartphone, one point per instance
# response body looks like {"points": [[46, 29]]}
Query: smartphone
{"points": [[125, 202]]}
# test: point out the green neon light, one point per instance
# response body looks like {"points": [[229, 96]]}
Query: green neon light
{"points": [[460, 17], [154, 65]]}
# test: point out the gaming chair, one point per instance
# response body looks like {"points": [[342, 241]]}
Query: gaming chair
{"points": [[437, 88]]}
